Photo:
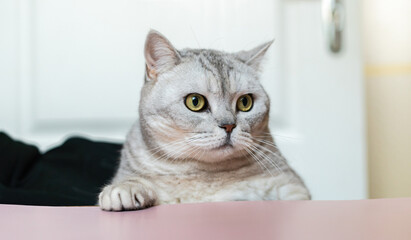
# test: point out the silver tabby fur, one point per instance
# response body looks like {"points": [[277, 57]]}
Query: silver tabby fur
{"points": [[175, 155]]}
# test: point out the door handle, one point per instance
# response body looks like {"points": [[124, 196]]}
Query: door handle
{"points": [[333, 14]]}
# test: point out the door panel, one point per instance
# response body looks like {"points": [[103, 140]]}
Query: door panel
{"points": [[326, 109]]}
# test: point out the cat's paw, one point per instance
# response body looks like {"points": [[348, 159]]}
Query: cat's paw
{"points": [[126, 196], [293, 192]]}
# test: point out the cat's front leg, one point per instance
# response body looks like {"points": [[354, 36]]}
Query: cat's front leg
{"points": [[127, 195]]}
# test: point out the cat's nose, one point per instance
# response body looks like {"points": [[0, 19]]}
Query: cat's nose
{"points": [[228, 127]]}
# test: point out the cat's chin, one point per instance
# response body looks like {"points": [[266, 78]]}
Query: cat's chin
{"points": [[222, 153], [224, 147]]}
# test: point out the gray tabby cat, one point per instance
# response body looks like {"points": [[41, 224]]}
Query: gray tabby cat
{"points": [[202, 135]]}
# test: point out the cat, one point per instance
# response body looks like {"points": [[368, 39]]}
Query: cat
{"points": [[202, 134]]}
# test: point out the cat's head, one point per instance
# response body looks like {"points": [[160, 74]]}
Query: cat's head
{"points": [[202, 104]]}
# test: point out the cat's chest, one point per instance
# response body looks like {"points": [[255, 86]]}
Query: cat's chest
{"points": [[203, 189]]}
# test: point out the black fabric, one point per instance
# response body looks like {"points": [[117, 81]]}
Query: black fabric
{"points": [[69, 175]]}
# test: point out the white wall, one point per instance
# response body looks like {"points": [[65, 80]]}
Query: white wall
{"points": [[8, 66]]}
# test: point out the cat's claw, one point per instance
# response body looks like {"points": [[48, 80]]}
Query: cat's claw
{"points": [[126, 196]]}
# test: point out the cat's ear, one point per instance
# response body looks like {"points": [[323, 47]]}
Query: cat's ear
{"points": [[160, 55], [254, 56]]}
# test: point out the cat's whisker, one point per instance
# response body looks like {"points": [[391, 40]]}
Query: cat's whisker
{"points": [[279, 157], [197, 147], [192, 150], [159, 148], [202, 154], [253, 158], [197, 151], [258, 161], [253, 146], [247, 147], [266, 142], [166, 145], [167, 155], [247, 157], [175, 156], [162, 156], [267, 158], [270, 134], [277, 154], [209, 142]]}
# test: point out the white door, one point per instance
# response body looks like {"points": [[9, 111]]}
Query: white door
{"points": [[76, 67]]}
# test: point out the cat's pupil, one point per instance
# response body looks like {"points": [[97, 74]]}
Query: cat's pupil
{"points": [[244, 101], [194, 101]]}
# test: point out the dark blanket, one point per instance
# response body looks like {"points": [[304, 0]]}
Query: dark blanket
{"points": [[69, 175]]}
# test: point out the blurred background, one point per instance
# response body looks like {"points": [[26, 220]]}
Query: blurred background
{"points": [[339, 77]]}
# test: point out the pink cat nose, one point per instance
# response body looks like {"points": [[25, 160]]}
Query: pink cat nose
{"points": [[228, 127]]}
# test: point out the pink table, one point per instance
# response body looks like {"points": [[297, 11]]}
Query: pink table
{"points": [[330, 220]]}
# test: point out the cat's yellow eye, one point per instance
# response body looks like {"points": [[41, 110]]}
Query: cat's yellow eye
{"points": [[245, 103], [195, 102]]}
